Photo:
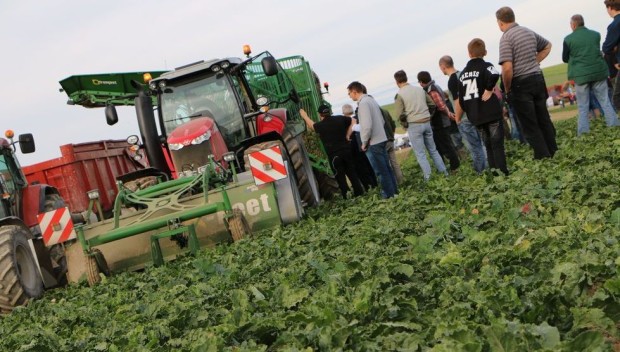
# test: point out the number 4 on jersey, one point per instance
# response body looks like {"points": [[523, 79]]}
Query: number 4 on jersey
{"points": [[471, 89]]}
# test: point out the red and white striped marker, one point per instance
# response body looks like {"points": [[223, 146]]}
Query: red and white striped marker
{"points": [[56, 226], [267, 165]]}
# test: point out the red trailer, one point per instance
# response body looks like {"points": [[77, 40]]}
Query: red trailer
{"points": [[84, 167]]}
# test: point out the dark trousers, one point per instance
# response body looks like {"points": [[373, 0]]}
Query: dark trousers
{"points": [[529, 98], [445, 147], [343, 166], [492, 134], [362, 166]]}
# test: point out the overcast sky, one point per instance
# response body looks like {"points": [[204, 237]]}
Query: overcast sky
{"points": [[43, 42]]}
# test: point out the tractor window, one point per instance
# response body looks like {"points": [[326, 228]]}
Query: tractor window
{"points": [[7, 184], [210, 96]]}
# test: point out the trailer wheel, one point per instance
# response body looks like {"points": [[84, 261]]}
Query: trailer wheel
{"points": [[306, 181], [19, 275], [53, 201], [238, 226], [95, 265]]}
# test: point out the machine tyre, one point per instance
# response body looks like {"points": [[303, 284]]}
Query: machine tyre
{"points": [[327, 185], [19, 275], [306, 181], [238, 226], [95, 265]]}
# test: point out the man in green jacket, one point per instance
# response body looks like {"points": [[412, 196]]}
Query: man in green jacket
{"points": [[588, 69]]}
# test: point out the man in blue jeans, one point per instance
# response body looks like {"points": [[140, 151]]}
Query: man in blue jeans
{"points": [[411, 105], [473, 142], [373, 138], [588, 69]]}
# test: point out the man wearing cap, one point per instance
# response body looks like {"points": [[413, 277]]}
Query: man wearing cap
{"points": [[335, 133]]}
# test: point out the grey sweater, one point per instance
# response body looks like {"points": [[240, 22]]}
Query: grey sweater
{"points": [[413, 102], [371, 121]]}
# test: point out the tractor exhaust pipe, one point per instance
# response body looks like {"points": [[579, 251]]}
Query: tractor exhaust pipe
{"points": [[148, 130]]}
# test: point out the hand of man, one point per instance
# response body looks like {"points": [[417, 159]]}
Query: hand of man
{"points": [[487, 95], [364, 147], [617, 66]]}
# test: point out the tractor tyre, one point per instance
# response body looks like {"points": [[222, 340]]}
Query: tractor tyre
{"points": [[327, 185], [19, 275], [95, 265], [306, 181], [238, 226]]}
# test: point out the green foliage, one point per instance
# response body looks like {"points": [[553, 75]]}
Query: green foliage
{"points": [[528, 262], [555, 74]]}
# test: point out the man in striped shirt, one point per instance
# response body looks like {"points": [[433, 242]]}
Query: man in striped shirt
{"points": [[520, 52]]}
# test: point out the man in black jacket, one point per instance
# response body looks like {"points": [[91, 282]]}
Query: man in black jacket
{"points": [[440, 120], [335, 132]]}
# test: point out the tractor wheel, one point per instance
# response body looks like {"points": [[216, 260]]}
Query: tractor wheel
{"points": [[327, 185], [95, 265], [19, 274], [238, 226], [306, 181]]}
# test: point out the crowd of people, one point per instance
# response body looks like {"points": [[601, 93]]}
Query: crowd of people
{"points": [[480, 99]]}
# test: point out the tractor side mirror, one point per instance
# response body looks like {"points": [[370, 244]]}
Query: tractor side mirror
{"points": [[26, 143], [270, 66], [111, 116]]}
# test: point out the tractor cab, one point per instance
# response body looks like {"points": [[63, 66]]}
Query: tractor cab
{"points": [[12, 179]]}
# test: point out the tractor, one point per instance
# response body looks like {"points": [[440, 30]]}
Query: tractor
{"points": [[31, 216], [227, 150]]}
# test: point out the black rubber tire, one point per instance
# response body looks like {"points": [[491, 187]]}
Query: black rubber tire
{"points": [[95, 265], [238, 226], [328, 186], [306, 181], [20, 280]]}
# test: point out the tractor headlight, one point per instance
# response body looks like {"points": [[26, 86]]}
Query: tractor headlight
{"points": [[201, 138], [229, 157], [175, 146], [216, 68], [225, 64], [133, 139], [162, 84], [152, 85]]}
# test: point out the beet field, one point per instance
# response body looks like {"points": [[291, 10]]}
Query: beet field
{"points": [[528, 262]]}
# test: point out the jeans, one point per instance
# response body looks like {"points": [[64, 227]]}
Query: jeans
{"points": [[492, 134], [515, 130], [381, 165], [421, 138], [600, 91], [529, 99], [474, 144]]}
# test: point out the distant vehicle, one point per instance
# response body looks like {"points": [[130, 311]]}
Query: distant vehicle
{"points": [[401, 141]]}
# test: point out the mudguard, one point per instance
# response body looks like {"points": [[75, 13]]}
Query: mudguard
{"points": [[33, 202], [274, 120]]}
